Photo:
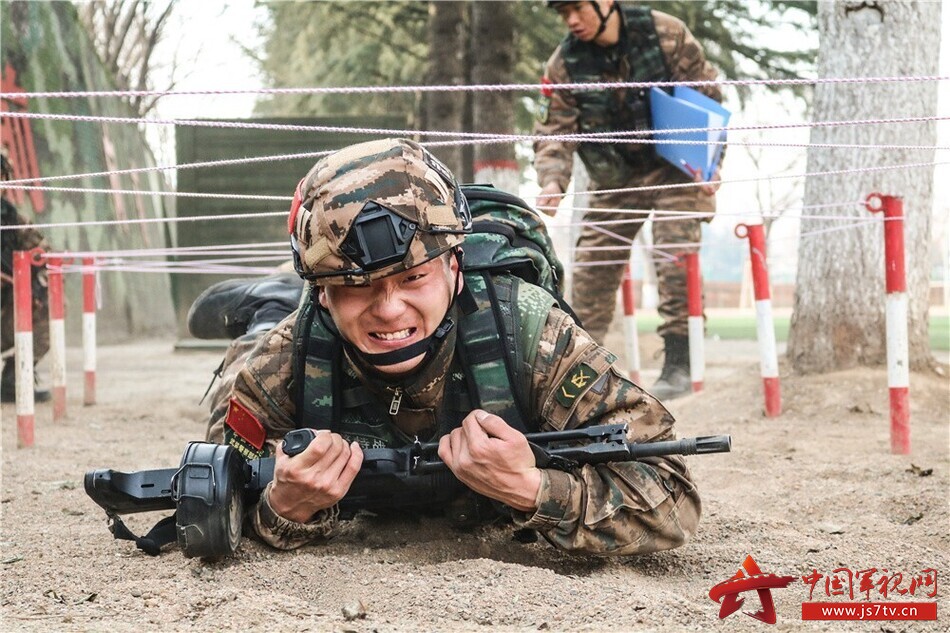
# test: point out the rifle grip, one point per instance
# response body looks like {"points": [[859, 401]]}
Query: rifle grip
{"points": [[297, 441]]}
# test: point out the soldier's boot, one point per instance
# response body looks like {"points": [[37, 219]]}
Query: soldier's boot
{"points": [[674, 380], [8, 385], [232, 308], [8, 381]]}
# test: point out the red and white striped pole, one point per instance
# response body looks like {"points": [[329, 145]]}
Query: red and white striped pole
{"points": [[631, 337], [696, 323], [57, 335], [89, 329], [23, 345], [764, 325], [898, 355]]}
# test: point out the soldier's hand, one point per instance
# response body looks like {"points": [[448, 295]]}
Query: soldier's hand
{"points": [[492, 459], [316, 478], [709, 188], [549, 198]]}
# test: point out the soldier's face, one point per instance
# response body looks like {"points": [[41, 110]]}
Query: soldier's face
{"points": [[396, 311], [582, 19]]}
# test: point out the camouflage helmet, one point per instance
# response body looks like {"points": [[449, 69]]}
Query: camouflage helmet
{"points": [[372, 210]]}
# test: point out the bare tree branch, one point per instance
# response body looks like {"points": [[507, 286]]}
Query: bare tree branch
{"points": [[111, 14], [125, 34], [121, 35]]}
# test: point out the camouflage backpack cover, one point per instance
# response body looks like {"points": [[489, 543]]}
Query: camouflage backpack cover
{"points": [[508, 236]]}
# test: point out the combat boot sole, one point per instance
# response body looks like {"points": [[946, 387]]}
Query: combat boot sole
{"points": [[225, 309]]}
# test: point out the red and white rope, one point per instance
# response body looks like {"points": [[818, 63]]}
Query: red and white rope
{"points": [[356, 90], [628, 136]]}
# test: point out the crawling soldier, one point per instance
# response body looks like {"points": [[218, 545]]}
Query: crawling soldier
{"points": [[390, 347]]}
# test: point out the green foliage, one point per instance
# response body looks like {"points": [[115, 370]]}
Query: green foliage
{"points": [[539, 32], [344, 44], [352, 43], [740, 37], [741, 326]]}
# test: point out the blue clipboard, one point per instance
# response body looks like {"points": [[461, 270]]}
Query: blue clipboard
{"points": [[687, 108]]}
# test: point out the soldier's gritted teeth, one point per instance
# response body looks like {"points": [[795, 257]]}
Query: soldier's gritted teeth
{"points": [[395, 337], [393, 312]]}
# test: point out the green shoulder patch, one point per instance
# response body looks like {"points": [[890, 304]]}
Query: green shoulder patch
{"points": [[544, 109], [577, 381]]}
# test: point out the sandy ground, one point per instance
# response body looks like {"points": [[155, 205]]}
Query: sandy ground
{"points": [[816, 489]]}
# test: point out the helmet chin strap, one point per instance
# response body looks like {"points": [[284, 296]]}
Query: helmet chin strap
{"points": [[603, 18], [428, 345]]}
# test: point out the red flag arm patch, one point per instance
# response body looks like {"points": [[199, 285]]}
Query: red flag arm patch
{"points": [[546, 91], [295, 206], [245, 424]]}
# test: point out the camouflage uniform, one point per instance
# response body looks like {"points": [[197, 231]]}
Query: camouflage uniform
{"points": [[621, 508], [22, 240], [595, 284], [616, 508]]}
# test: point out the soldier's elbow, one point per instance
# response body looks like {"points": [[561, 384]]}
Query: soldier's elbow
{"points": [[675, 530]]}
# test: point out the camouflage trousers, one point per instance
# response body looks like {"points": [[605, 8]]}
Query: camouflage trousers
{"points": [[603, 249]]}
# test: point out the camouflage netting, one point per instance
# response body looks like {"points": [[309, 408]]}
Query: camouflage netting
{"points": [[47, 49]]}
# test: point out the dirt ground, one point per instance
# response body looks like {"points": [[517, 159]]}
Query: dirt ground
{"points": [[816, 489]]}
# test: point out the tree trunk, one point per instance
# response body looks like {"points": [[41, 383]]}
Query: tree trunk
{"points": [[446, 110], [493, 60], [838, 320]]}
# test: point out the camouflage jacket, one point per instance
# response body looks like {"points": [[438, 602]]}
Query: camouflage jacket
{"points": [[617, 508], [19, 240], [684, 58]]}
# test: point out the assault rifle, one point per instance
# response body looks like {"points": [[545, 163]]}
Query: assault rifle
{"points": [[213, 484]]}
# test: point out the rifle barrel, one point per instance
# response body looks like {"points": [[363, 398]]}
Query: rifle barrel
{"points": [[686, 446]]}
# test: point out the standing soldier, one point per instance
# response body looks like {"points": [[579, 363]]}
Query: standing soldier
{"points": [[613, 43], [11, 240]]}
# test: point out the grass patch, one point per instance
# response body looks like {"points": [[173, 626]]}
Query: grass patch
{"points": [[742, 327], [940, 332]]}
